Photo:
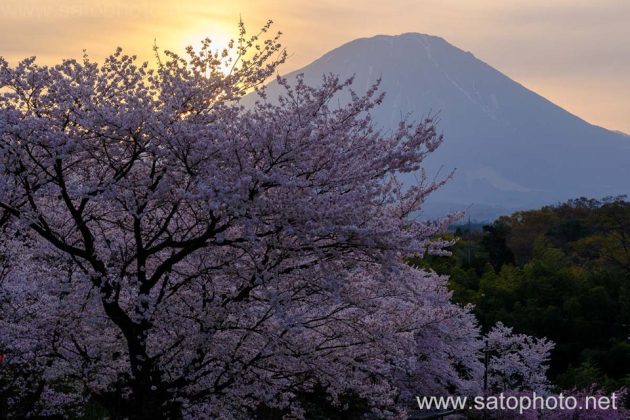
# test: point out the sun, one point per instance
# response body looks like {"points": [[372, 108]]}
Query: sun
{"points": [[220, 40]]}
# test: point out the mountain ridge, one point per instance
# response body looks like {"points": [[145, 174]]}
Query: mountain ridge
{"points": [[512, 147]]}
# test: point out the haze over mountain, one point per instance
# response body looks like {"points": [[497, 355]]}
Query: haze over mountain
{"points": [[511, 148]]}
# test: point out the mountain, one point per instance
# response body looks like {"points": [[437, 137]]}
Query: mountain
{"points": [[510, 147]]}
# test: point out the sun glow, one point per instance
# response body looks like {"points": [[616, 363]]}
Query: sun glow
{"points": [[220, 41]]}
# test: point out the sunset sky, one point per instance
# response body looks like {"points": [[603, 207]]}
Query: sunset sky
{"points": [[574, 52]]}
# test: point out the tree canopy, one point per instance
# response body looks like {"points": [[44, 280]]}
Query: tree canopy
{"points": [[167, 253]]}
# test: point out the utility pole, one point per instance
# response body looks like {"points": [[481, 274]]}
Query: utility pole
{"points": [[469, 251]]}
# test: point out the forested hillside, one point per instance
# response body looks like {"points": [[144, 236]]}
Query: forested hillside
{"points": [[562, 272]]}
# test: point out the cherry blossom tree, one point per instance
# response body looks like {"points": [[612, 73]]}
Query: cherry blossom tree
{"points": [[168, 253], [516, 361]]}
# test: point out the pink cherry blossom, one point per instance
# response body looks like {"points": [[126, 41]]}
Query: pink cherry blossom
{"points": [[167, 252]]}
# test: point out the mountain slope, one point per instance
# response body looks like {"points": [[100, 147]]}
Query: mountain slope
{"points": [[511, 148]]}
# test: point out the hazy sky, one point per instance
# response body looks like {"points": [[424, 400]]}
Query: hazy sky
{"points": [[574, 52]]}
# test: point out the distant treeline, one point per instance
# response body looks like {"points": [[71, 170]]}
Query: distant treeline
{"points": [[562, 272]]}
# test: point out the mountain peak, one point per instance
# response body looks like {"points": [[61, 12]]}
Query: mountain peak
{"points": [[406, 43], [415, 36], [512, 148]]}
